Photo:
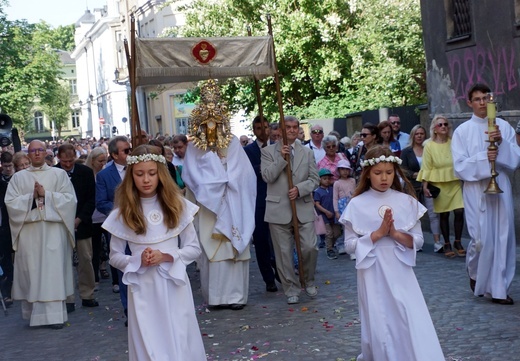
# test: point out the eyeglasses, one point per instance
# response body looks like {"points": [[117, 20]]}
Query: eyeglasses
{"points": [[36, 150], [442, 125], [364, 135], [127, 150], [480, 100], [317, 131], [330, 146], [395, 122]]}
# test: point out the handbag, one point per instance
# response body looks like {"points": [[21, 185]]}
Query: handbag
{"points": [[434, 191], [319, 224]]}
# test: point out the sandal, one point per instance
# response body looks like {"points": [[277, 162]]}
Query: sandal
{"points": [[459, 250], [104, 274], [448, 252]]}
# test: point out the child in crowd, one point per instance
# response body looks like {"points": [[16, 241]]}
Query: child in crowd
{"points": [[382, 227], [325, 208], [343, 189], [155, 221]]}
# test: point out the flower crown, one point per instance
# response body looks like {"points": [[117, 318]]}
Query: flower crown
{"points": [[374, 161], [134, 159]]}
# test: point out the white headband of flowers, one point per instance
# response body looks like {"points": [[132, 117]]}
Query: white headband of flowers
{"points": [[374, 161], [134, 159]]}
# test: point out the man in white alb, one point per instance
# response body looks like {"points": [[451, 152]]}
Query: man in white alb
{"points": [[42, 207], [491, 255]]}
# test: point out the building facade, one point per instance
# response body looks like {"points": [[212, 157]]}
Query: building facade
{"points": [[103, 87], [468, 42]]}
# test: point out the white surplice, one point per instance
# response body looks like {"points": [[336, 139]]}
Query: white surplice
{"points": [[225, 188], [395, 322], [491, 254], [43, 238], [162, 324]]}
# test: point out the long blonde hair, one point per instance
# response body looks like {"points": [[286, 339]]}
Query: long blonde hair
{"points": [[364, 181], [128, 201]]}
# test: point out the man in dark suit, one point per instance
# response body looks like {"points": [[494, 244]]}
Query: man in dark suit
{"points": [[261, 236], [278, 211], [82, 179], [106, 183]]}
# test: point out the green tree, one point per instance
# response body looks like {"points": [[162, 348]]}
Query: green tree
{"points": [[58, 111], [30, 68], [333, 56]]}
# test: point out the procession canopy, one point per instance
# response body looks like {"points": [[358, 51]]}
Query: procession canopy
{"points": [[178, 60]]}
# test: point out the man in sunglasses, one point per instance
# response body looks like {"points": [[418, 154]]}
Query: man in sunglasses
{"points": [[315, 144], [401, 137], [42, 206]]}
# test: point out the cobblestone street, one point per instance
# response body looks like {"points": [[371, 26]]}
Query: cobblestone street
{"points": [[325, 328]]}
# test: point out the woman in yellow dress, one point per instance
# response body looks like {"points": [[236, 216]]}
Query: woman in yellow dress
{"points": [[437, 170]]}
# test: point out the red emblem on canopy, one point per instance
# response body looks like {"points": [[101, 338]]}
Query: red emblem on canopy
{"points": [[204, 52]]}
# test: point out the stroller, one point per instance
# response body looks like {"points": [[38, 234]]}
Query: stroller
{"points": [[2, 296]]}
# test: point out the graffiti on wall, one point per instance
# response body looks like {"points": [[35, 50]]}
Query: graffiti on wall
{"points": [[441, 92], [494, 67]]}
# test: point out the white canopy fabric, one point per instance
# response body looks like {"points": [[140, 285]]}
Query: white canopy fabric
{"points": [[177, 60]]}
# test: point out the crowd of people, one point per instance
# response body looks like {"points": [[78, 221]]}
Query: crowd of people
{"points": [[140, 215]]}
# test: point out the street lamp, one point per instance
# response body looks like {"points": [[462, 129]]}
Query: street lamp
{"points": [[116, 80]]}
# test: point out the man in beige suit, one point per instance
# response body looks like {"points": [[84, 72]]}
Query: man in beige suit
{"points": [[278, 208]]}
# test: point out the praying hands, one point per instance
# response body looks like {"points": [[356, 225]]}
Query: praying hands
{"points": [[151, 257]]}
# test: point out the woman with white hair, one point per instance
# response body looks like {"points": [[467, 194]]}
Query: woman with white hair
{"points": [[331, 159]]}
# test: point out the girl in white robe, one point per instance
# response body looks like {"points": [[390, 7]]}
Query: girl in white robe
{"points": [[383, 229], [154, 220]]}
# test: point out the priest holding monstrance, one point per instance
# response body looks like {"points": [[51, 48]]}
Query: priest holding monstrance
{"points": [[218, 173]]}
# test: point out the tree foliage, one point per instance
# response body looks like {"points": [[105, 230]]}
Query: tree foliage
{"points": [[31, 69], [58, 111], [334, 56]]}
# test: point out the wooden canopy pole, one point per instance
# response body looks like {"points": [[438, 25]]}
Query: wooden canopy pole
{"points": [[135, 124], [295, 223]]}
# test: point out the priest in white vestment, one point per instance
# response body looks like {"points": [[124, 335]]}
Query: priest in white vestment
{"points": [[42, 206], [224, 186], [218, 173], [491, 254]]}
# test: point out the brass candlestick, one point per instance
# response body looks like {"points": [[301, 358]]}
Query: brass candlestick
{"points": [[492, 187]]}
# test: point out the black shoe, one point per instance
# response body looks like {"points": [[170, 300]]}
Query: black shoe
{"points": [[271, 287], [506, 301], [71, 307], [56, 326], [236, 306], [126, 323], [89, 303], [8, 302]]}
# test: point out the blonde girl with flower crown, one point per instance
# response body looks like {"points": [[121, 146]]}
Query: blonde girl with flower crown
{"points": [[155, 221], [383, 229]]}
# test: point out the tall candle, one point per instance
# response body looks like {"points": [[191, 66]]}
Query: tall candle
{"points": [[491, 113]]}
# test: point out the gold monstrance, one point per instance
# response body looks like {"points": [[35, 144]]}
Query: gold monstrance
{"points": [[209, 122]]}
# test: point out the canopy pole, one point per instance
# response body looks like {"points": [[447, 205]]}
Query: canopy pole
{"points": [[135, 124], [295, 222]]}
